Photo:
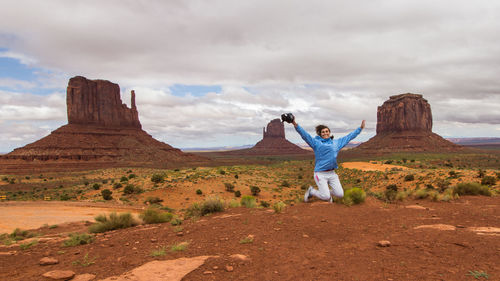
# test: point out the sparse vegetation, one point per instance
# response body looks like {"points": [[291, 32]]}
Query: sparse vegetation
{"points": [[255, 190], [237, 193], [488, 180], [179, 247], [248, 201], [471, 188], [409, 177], [153, 200], [154, 215], [76, 239], [106, 194], [26, 246], [247, 240], [278, 207], [199, 192], [157, 178], [478, 274], [96, 186], [354, 195], [113, 221], [86, 261], [229, 187], [158, 252]]}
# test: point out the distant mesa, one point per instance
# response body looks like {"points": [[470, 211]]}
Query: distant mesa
{"points": [[273, 142], [404, 124], [101, 130]]}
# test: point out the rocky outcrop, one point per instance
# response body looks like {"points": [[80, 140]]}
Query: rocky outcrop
{"points": [[404, 124], [273, 142], [101, 132], [98, 102]]}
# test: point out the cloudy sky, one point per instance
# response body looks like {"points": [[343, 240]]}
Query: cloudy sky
{"points": [[213, 73]]}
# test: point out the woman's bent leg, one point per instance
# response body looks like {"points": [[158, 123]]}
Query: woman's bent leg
{"points": [[321, 179], [334, 182]]}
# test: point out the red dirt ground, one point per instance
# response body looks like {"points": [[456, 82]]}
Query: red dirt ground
{"points": [[308, 241]]}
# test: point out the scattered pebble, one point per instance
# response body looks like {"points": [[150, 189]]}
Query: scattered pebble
{"points": [[207, 272], [154, 240], [384, 243], [48, 261], [59, 274], [229, 268]]}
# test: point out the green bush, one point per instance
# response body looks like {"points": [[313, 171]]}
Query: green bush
{"points": [[480, 173], [113, 221], [278, 207], [488, 180], [117, 185], [421, 194], [106, 194], [211, 205], [471, 188], [222, 172], [96, 186], [229, 187], [124, 179], [265, 204], [157, 178], [248, 201], [409, 177], [130, 188], [19, 234], [131, 176], [154, 215], [76, 239], [285, 184], [255, 190], [199, 192], [237, 193], [355, 195], [453, 174]]}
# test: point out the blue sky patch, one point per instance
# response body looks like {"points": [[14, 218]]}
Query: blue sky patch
{"points": [[194, 90]]}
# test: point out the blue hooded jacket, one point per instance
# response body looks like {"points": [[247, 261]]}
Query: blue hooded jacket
{"points": [[326, 150]]}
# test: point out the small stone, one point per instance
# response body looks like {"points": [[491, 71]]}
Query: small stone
{"points": [[179, 233], [305, 235], [9, 253], [384, 243], [127, 244], [48, 261], [215, 267], [239, 257], [229, 268], [59, 274], [460, 226], [154, 240], [207, 272]]}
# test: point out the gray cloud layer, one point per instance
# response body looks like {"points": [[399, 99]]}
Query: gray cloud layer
{"points": [[329, 61]]}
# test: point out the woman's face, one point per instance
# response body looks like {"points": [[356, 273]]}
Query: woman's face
{"points": [[325, 133]]}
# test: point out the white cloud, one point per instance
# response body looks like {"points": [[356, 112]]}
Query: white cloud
{"points": [[329, 62]]}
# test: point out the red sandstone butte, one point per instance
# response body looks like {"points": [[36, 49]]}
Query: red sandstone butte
{"points": [[273, 142], [404, 124], [101, 132]]}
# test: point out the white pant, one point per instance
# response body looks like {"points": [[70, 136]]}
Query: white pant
{"points": [[325, 179]]}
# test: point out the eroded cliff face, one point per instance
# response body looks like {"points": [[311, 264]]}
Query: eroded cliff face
{"points": [[98, 102], [404, 124], [274, 129], [274, 142], [406, 112]]}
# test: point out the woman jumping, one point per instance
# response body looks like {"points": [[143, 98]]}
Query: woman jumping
{"points": [[325, 151]]}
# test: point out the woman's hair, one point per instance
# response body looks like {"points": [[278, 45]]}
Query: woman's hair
{"points": [[319, 128]]}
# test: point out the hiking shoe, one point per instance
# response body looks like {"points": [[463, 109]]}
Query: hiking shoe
{"points": [[307, 195]]}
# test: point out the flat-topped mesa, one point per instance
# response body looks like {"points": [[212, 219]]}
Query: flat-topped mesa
{"points": [[405, 112], [275, 129], [98, 102]]}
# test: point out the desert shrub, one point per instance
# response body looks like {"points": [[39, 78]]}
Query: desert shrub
{"points": [[285, 184], [304, 186], [299, 177], [130, 188], [234, 203], [471, 188], [113, 221], [222, 172], [401, 195], [117, 185], [488, 180], [123, 179], [390, 192], [498, 175], [106, 194], [19, 234], [193, 211], [409, 177], [429, 186], [176, 221], [433, 195], [131, 176], [154, 215], [237, 193], [421, 194], [179, 247], [248, 201], [354, 195], [278, 207], [265, 204], [5, 179], [199, 192], [28, 245], [76, 239], [255, 190], [229, 187], [211, 205], [236, 176], [453, 174], [157, 178], [96, 186], [388, 162]]}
